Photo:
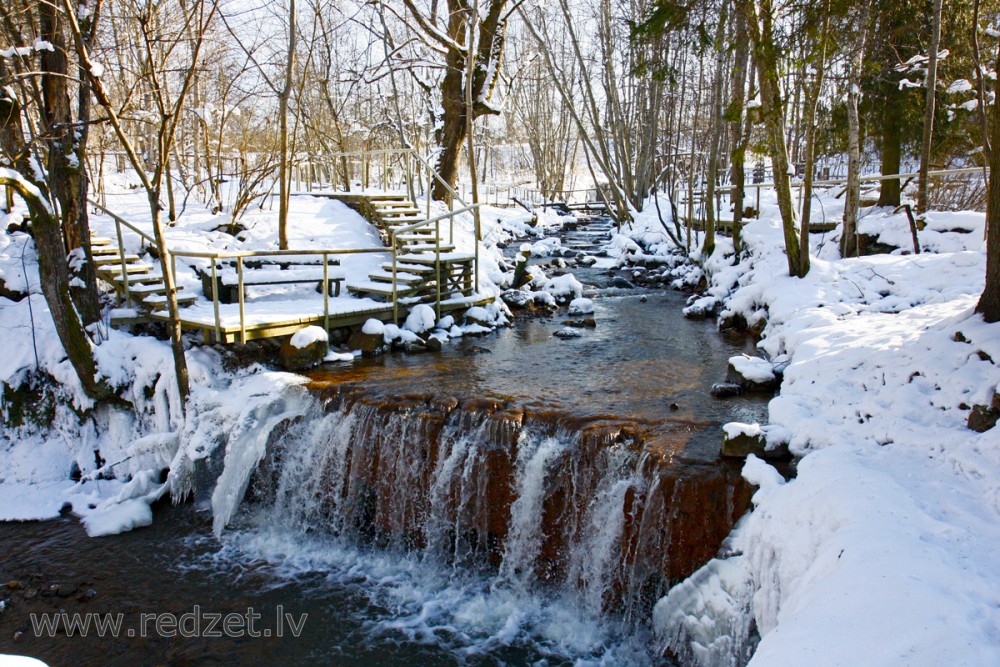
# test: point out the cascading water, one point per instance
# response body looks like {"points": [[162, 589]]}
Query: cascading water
{"points": [[485, 525]]}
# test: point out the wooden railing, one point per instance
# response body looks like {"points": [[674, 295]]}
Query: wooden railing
{"points": [[239, 257], [434, 222]]}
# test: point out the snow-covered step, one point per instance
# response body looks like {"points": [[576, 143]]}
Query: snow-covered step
{"points": [[427, 247], [138, 278], [150, 288], [445, 257], [102, 250], [408, 268], [115, 259], [385, 289], [159, 301], [99, 241], [401, 277], [419, 238], [115, 269]]}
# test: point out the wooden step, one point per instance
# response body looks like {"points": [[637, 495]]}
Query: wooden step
{"points": [[99, 241], [425, 247], [419, 238], [145, 289], [401, 277], [137, 279], [115, 259], [159, 301], [408, 268], [384, 289], [115, 269], [102, 250], [446, 258]]}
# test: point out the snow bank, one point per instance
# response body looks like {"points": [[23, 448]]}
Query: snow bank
{"points": [[880, 550]]}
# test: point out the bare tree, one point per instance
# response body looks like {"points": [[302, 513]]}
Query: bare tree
{"points": [[159, 47]]}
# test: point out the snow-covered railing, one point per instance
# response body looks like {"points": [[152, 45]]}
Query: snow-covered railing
{"points": [[216, 257], [120, 238], [434, 223]]}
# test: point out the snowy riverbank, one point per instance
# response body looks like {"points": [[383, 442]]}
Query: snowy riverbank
{"points": [[881, 550]]}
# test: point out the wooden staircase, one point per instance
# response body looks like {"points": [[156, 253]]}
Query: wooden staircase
{"points": [[423, 259], [137, 283]]}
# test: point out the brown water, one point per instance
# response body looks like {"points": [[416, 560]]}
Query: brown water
{"points": [[614, 425]]}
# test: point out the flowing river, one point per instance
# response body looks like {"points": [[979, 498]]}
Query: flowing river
{"points": [[515, 499]]}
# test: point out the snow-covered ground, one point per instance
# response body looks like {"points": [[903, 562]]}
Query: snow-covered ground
{"points": [[114, 493], [882, 549]]}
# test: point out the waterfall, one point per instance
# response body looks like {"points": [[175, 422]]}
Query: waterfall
{"points": [[526, 503]]}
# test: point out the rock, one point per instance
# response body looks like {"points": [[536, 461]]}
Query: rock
{"points": [[517, 298], [559, 263], [643, 299], [581, 306], [620, 283], [370, 344], [752, 373], [304, 352], [478, 315], [415, 347], [983, 418], [726, 389], [585, 323], [567, 332], [741, 440], [433, 344], [674, 406], [586, 260]]}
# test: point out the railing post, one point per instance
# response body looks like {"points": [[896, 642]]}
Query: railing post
{"points": [[437, 265], [215, 299], [243, 323], [395, 297], [326, 295], [121, 256], [475, 245], [409, 176], [385, 171], [428, 192]]}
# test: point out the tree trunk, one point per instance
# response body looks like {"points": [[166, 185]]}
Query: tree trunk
{"points": [[708, 244], [931, 85], [53, 275], [67, 162], [738, 136], [489, 52], [989, 302], [892, 149], [284, 173], [852, 196], [766, 56], [810, 121]]}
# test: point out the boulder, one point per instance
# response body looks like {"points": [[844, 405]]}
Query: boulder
{"points": [[768, 442], [370, 344], [306, 348], [726, 389], [983, 418], [620, 283], [753, 373], [567, 332]]}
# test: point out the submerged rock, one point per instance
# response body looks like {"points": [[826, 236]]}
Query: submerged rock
{"points": [[726, 389]]}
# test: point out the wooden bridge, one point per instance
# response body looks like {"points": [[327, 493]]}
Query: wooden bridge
{"points": [[423, 265]]}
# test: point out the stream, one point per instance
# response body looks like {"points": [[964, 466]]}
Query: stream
{"points": [[515, 499]]}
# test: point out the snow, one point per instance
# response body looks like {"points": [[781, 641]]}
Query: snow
{"points": [[373, 327], [307, 336], [734, 429], [420, 319], [754, 369], [581, 306]]}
